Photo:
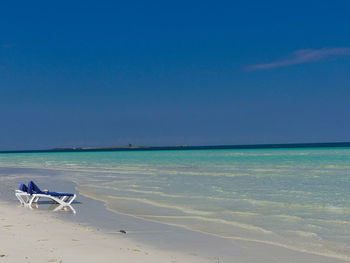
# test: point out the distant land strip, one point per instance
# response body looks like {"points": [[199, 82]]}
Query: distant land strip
{"points": [[186, 147]]}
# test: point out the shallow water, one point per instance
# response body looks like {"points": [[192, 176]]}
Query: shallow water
{"points": [[294, 198]]}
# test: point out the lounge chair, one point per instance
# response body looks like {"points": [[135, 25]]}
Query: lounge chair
{"points": [[27, 195]]}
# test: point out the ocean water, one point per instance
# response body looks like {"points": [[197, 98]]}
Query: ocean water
{"points": [[293, 198]]}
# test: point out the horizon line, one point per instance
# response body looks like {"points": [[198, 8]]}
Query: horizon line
{"points": [[185, 147]]}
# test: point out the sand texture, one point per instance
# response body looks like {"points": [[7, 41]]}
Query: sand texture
{"points": [[34, 236]]}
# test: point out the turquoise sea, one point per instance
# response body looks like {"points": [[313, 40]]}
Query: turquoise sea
{"points": [[293, 198]]}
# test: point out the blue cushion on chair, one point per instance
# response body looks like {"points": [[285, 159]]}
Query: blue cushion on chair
{"points": [[23, 188], [34, 189], [59, 194]]}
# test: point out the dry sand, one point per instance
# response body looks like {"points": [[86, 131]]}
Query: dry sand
{"points": [[36, 236]]}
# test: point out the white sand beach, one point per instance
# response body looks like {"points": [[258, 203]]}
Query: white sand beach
{"points": [[36, 236], [40, 236]]}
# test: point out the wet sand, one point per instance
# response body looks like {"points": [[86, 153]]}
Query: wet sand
{"points": [[36, 236]]}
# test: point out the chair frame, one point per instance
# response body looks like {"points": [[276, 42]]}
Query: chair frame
{"points": [[29, 199]]}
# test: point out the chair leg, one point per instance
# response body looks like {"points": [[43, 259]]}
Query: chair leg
{"points": [[72, 199], [32, 200], [19, 197]]}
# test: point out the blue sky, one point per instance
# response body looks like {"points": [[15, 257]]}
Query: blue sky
{"points": [[109, 73]]}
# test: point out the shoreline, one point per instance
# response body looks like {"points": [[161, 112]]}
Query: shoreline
{"points": [[39, 236], [254, 244], [95, 214], [162, 238], [56, 240]]}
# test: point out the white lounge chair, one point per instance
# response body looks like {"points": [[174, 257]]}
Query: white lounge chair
{"points": [[31, 194]]}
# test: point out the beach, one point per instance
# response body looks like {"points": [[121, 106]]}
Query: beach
{"points": [[32, 236], [181, 206], [39, 236]]}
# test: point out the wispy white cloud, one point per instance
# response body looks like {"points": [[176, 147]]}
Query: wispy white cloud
{"points": [[302, 56]]}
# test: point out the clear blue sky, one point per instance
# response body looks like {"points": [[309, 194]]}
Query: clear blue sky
{"points": [[103, 73]]}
